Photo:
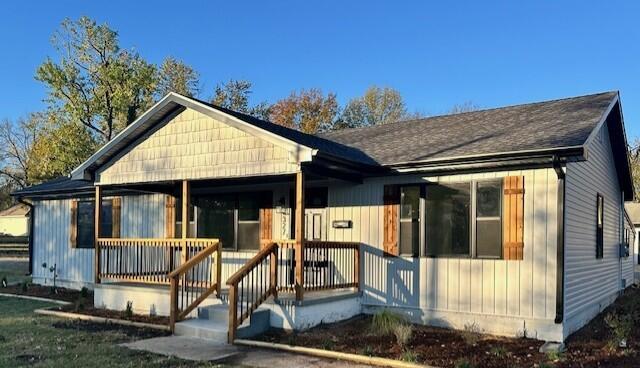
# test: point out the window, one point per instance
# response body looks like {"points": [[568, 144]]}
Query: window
{"points": [[599, 226], [489, 219], [86, 221], [232, 218], [410, 220], [447, 219]]}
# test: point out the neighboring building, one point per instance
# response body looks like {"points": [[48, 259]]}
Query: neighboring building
{"points": [[633, 211], [510, 218], [14, 221]]}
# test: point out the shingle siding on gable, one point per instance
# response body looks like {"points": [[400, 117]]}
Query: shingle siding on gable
{"points": [[195, 146], [591, 282]]}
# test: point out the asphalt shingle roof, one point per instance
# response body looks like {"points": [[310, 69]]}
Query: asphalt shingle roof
{"points": [[536, 126]]}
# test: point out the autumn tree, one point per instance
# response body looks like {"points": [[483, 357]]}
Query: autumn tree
{"points": [[176, 76], [235, 95], [94, 81], [309, 111], [16, 143], [376, 106], [467, 106]]}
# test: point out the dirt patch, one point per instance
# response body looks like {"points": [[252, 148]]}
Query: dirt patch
{"points": [[48, 292], [107, 313], [589, 347], [128, 331]]}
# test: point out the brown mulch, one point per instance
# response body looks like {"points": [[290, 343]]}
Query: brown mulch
{"points": [[111, 314], [449, 348], [48, 292]]}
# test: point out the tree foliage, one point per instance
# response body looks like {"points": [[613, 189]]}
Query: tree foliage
{"points": [[176, 76], [94, 81], [467, 106], [634, 161], [309, 111], [16, 143], [235, 95], [376, 106]]}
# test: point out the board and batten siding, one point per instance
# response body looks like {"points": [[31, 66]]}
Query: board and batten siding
{"points": [[195, 146], [590, 281], [142, 216], [523, 289]]}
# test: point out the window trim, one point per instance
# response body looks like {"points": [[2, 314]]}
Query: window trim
{"points": [[79, 245], [422, 250]]}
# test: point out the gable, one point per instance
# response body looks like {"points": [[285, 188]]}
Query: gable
{"points": [[193, 145]]}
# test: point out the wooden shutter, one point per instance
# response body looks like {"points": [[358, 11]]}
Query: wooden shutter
{"points": [[170, 217], [513, 218], [116, 206], [266, 225], [73, 226], [391, 212]]}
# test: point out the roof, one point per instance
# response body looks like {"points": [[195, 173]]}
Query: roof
{"points": [[633, 210], [61, 184], [545, 129], [17, 210], [548, 125]]}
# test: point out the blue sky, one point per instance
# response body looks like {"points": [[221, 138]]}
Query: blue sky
{"points": [[436, 53]]}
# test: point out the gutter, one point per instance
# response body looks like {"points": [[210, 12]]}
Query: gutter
{"points": [[32, 216], [557, 166]]}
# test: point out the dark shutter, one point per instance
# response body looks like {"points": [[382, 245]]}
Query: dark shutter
{"points": [[513, 218]]}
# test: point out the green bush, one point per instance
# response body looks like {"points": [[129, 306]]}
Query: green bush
{"points": [[620, 326], [128, 312], [471, 333], [84, 292], [463, 363], [385, 321], [24, 287], [403, 334], [409, 356]]}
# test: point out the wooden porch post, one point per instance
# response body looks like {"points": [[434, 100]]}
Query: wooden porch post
{"points": [[186, 199], [96, 232], [299, 235]]}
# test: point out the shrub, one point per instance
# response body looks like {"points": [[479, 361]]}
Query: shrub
{"points": [[403, 334], [554, 356], [409, 356], [84, 292], [499, 351], [385, 321], [471, 333], [24, 287], [620, 326], [367, 350], [128, 312], [463, 363], [328, 344]]}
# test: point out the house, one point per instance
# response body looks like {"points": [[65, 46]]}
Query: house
{"points": [[510, 218], [633, 213], [14, 221]]}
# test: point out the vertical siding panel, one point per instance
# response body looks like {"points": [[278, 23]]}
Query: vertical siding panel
{"points": [[552, 244]]}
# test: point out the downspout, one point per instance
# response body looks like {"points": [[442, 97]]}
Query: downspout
{"points": [[32, 214], [560, 241]]}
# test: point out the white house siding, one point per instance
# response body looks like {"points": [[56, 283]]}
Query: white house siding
{"points": [[590, 283], [195, 146], [142, 216], [524, 292]]}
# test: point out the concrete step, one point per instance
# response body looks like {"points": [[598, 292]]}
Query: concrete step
{"points": [[213, 324]]}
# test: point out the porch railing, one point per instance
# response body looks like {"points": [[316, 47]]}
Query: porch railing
{"points": [[194, 281], [145, 260], [326, 265]]}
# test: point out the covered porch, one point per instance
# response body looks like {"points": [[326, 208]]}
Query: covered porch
{"points": [[194, 270]]}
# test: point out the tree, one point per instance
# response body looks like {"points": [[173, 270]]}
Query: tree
{"points": [[308, 111], [376, 106], [95, 82], [176, 76], [233, 95], [634, 161], [467, 106], [16, 143]]}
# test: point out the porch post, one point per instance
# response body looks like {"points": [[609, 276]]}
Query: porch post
{"points": [[186, 199], [96, 232], [299, 252]]}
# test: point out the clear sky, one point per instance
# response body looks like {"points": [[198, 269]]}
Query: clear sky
{"points": [[436, 53]]}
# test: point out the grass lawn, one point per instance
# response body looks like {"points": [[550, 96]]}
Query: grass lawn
{"points": [[30, 340], [14, 270]]}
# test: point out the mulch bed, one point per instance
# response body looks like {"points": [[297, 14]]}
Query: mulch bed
{"points": [[40, 291], [129, 331], [111, 314], [448, 348]]}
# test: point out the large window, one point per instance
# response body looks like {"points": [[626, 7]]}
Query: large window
{"points": [[86, 220], [410, 220], [232, 218], [448, 215], [489, 219], [599, 226]]}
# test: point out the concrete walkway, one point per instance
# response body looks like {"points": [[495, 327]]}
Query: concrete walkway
{"points": [[201, 350]]}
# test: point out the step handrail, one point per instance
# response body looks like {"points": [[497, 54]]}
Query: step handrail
{"points": [[270, 253], [202, 287]]}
